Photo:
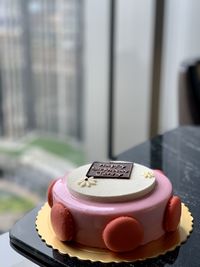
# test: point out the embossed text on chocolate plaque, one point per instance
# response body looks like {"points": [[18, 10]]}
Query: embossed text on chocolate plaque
{"points": [[112, 170]]}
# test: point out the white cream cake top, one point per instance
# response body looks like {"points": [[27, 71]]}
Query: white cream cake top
{"points": [[111, 181]]}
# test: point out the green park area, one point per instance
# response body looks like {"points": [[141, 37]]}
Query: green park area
{"points": [[59, 148], [15, 199], [10, 202]]}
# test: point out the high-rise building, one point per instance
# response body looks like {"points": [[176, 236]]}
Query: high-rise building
{"points": [[41, 66]]}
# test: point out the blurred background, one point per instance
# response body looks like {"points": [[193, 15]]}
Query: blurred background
{"points": [[84, 80]]}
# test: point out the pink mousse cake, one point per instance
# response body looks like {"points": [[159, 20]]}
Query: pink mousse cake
{"points": [[113, 205]]}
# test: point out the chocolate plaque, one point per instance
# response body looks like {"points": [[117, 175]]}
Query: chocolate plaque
{"points": [[112, 170]]}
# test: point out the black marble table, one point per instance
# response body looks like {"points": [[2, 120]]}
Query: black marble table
{"points": [[177, 153]]}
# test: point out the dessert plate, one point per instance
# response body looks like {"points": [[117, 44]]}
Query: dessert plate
{"points": [[153, 249]]}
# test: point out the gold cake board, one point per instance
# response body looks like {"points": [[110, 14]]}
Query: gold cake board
{"points": [[151, 250]]}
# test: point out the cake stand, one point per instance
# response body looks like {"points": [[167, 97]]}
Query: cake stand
{"points": [[25, 240]]}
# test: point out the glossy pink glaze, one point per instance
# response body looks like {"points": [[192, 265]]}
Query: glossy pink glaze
{"points": [[91, 217]]}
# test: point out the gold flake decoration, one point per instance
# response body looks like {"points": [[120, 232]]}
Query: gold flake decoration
{"points": [[148, 174], [87, 182]]}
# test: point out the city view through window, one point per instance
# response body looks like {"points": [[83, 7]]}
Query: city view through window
{"points": [[41, 89]]}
